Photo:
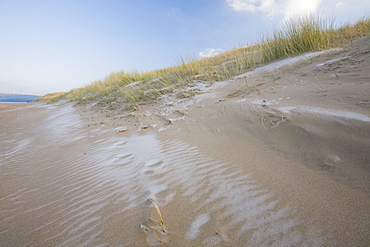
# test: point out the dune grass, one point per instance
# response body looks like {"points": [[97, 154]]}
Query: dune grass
{"points": [[51, 98], [128, 89]]}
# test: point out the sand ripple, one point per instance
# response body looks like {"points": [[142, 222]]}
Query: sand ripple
{"points": [[64, 184]]}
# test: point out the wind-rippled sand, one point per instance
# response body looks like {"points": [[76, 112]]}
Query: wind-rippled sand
{"points": [[223, 169], [64, 184]]}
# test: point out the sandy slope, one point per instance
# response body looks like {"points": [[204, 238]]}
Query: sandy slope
{"points": [[277, 158], [309, 145]]}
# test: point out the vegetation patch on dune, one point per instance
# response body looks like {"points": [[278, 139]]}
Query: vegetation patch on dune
{"points": [[125, 90], [51, 98]]}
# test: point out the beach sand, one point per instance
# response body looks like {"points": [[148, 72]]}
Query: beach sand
{"points": [[5, 107], [271, 158]]}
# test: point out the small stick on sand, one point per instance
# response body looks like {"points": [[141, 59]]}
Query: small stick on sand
{"points": [[161, 222], [269, 119]]}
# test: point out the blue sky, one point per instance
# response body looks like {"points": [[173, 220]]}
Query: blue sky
{"points": [[57, 45]]}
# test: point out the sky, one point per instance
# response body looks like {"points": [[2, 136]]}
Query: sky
{"points": [[58, 45]]}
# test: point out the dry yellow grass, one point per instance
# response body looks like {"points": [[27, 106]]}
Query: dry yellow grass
{"points": [[127, 89], [50, 98]]}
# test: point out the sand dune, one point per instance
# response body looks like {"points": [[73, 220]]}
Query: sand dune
{"points": [[275, 158]]}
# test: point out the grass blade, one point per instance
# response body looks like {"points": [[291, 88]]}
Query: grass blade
{"points": [[161, 222]]}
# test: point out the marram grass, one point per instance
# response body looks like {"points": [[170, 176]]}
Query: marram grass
{"points": [[127, 89], [51, 98]]}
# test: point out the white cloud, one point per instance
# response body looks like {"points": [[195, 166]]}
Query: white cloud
{"points": [[267, 7], [339, 4], [271, 8], [299, 8], [209, 52]]}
